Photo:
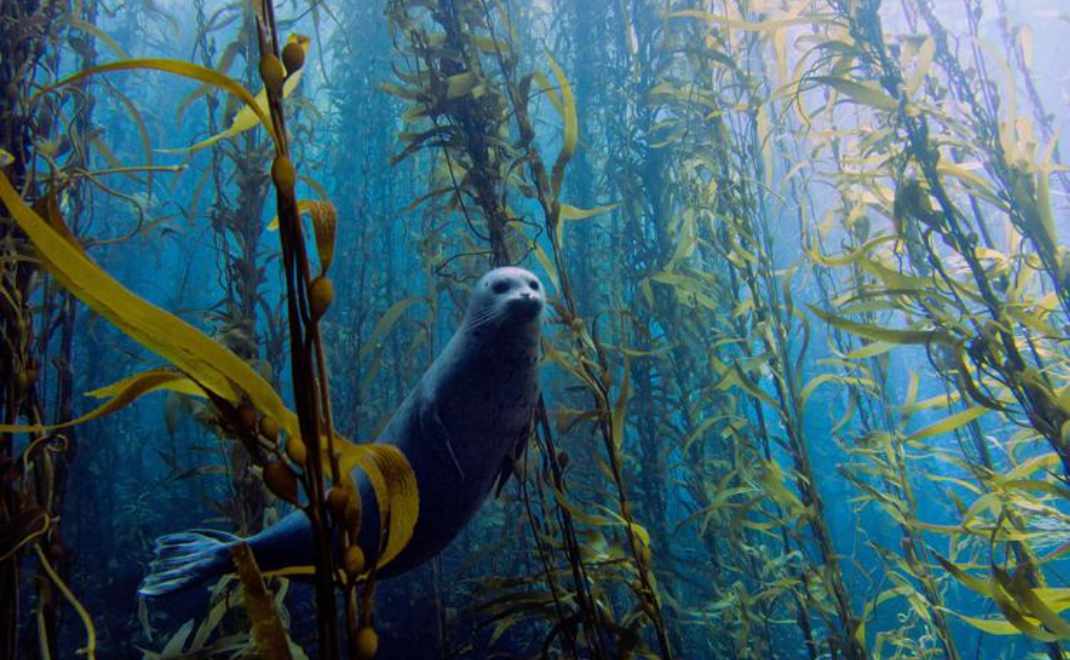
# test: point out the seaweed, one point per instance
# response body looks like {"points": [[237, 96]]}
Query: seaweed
{"points": [[804, 372]]}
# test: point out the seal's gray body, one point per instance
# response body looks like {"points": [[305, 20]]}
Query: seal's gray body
{"points": [[460, 428]]}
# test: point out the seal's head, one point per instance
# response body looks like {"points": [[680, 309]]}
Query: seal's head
{"points": [[506, 297]]}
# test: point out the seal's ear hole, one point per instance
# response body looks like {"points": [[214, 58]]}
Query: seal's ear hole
{"points": [[501, 286]]}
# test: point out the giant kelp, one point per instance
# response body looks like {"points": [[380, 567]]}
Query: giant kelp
{"points": [[240, 395], [805, 381]]}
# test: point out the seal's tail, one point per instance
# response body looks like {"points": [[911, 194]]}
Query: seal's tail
{"points": [[186, 559]]}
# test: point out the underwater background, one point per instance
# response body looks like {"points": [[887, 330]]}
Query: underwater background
{"points": [[805, 366]]}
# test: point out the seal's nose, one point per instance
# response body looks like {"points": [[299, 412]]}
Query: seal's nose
{"points": [[526, 305]]}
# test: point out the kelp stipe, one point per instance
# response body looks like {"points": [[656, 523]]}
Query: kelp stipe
{"points": [[811, 288], [238, 392], [471, 79]]}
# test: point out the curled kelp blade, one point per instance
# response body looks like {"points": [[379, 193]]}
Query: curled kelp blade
{"points": [[208, 364], [395, 487]]}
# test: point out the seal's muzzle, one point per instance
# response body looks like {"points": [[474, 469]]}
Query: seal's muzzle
{"points": [[524, 307]]}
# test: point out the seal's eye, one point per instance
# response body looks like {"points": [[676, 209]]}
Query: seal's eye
{"points": [[534, 285], [501, 286]]}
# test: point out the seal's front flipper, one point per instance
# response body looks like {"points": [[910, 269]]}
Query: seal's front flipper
{"points": [[432, 427], [186, 559], [510, 460]]}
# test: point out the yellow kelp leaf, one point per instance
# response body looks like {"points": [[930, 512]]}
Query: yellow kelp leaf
{"points": [[949, 424], [208, 363], [267, 631], [976, 584], [953, 480], [103, 36], [821, 379], [461, 84], [29, 523], [871, 349], [884, 334], [251, 113], [851, 257], [396, 491], [638, 530], [6, 158], [1033, 604], [579, 513], [764, 135], [569, 212], [120, 395], [938, 401], [689, 290], [1041, 462], [385, 323], [571, 126], [884, 596], [548, 89], [973, 182], [736, 376], [864, 92], [921, 66], [772, 482], [998, 626], [544, 259], [162, 379], [893, 279], [770, 25], [181, 68], [1014, 598], [913, 382], [324, 224]]}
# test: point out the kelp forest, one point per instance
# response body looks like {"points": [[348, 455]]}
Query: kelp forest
{"points": [[804, 364]]}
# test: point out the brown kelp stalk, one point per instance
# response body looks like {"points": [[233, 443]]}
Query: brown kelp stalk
{"points": [[594, 365], [984, 317], [311, 394], [467, 86], [32, 482]]}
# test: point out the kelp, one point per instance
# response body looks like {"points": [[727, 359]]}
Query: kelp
{"points": [[805, 370], [237, 390]]}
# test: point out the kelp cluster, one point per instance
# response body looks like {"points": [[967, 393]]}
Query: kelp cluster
{"points": [[805, 377]]}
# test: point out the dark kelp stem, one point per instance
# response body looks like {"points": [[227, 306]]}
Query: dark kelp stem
{"points": [[306, 357]]}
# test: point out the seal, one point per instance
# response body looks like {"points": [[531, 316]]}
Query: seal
{"points": [[461, 428]]}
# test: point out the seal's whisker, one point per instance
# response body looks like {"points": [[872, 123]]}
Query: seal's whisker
{"points": [[482, 319]]}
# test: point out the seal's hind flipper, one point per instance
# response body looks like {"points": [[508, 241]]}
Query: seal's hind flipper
{"points": [[186, 559]]}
